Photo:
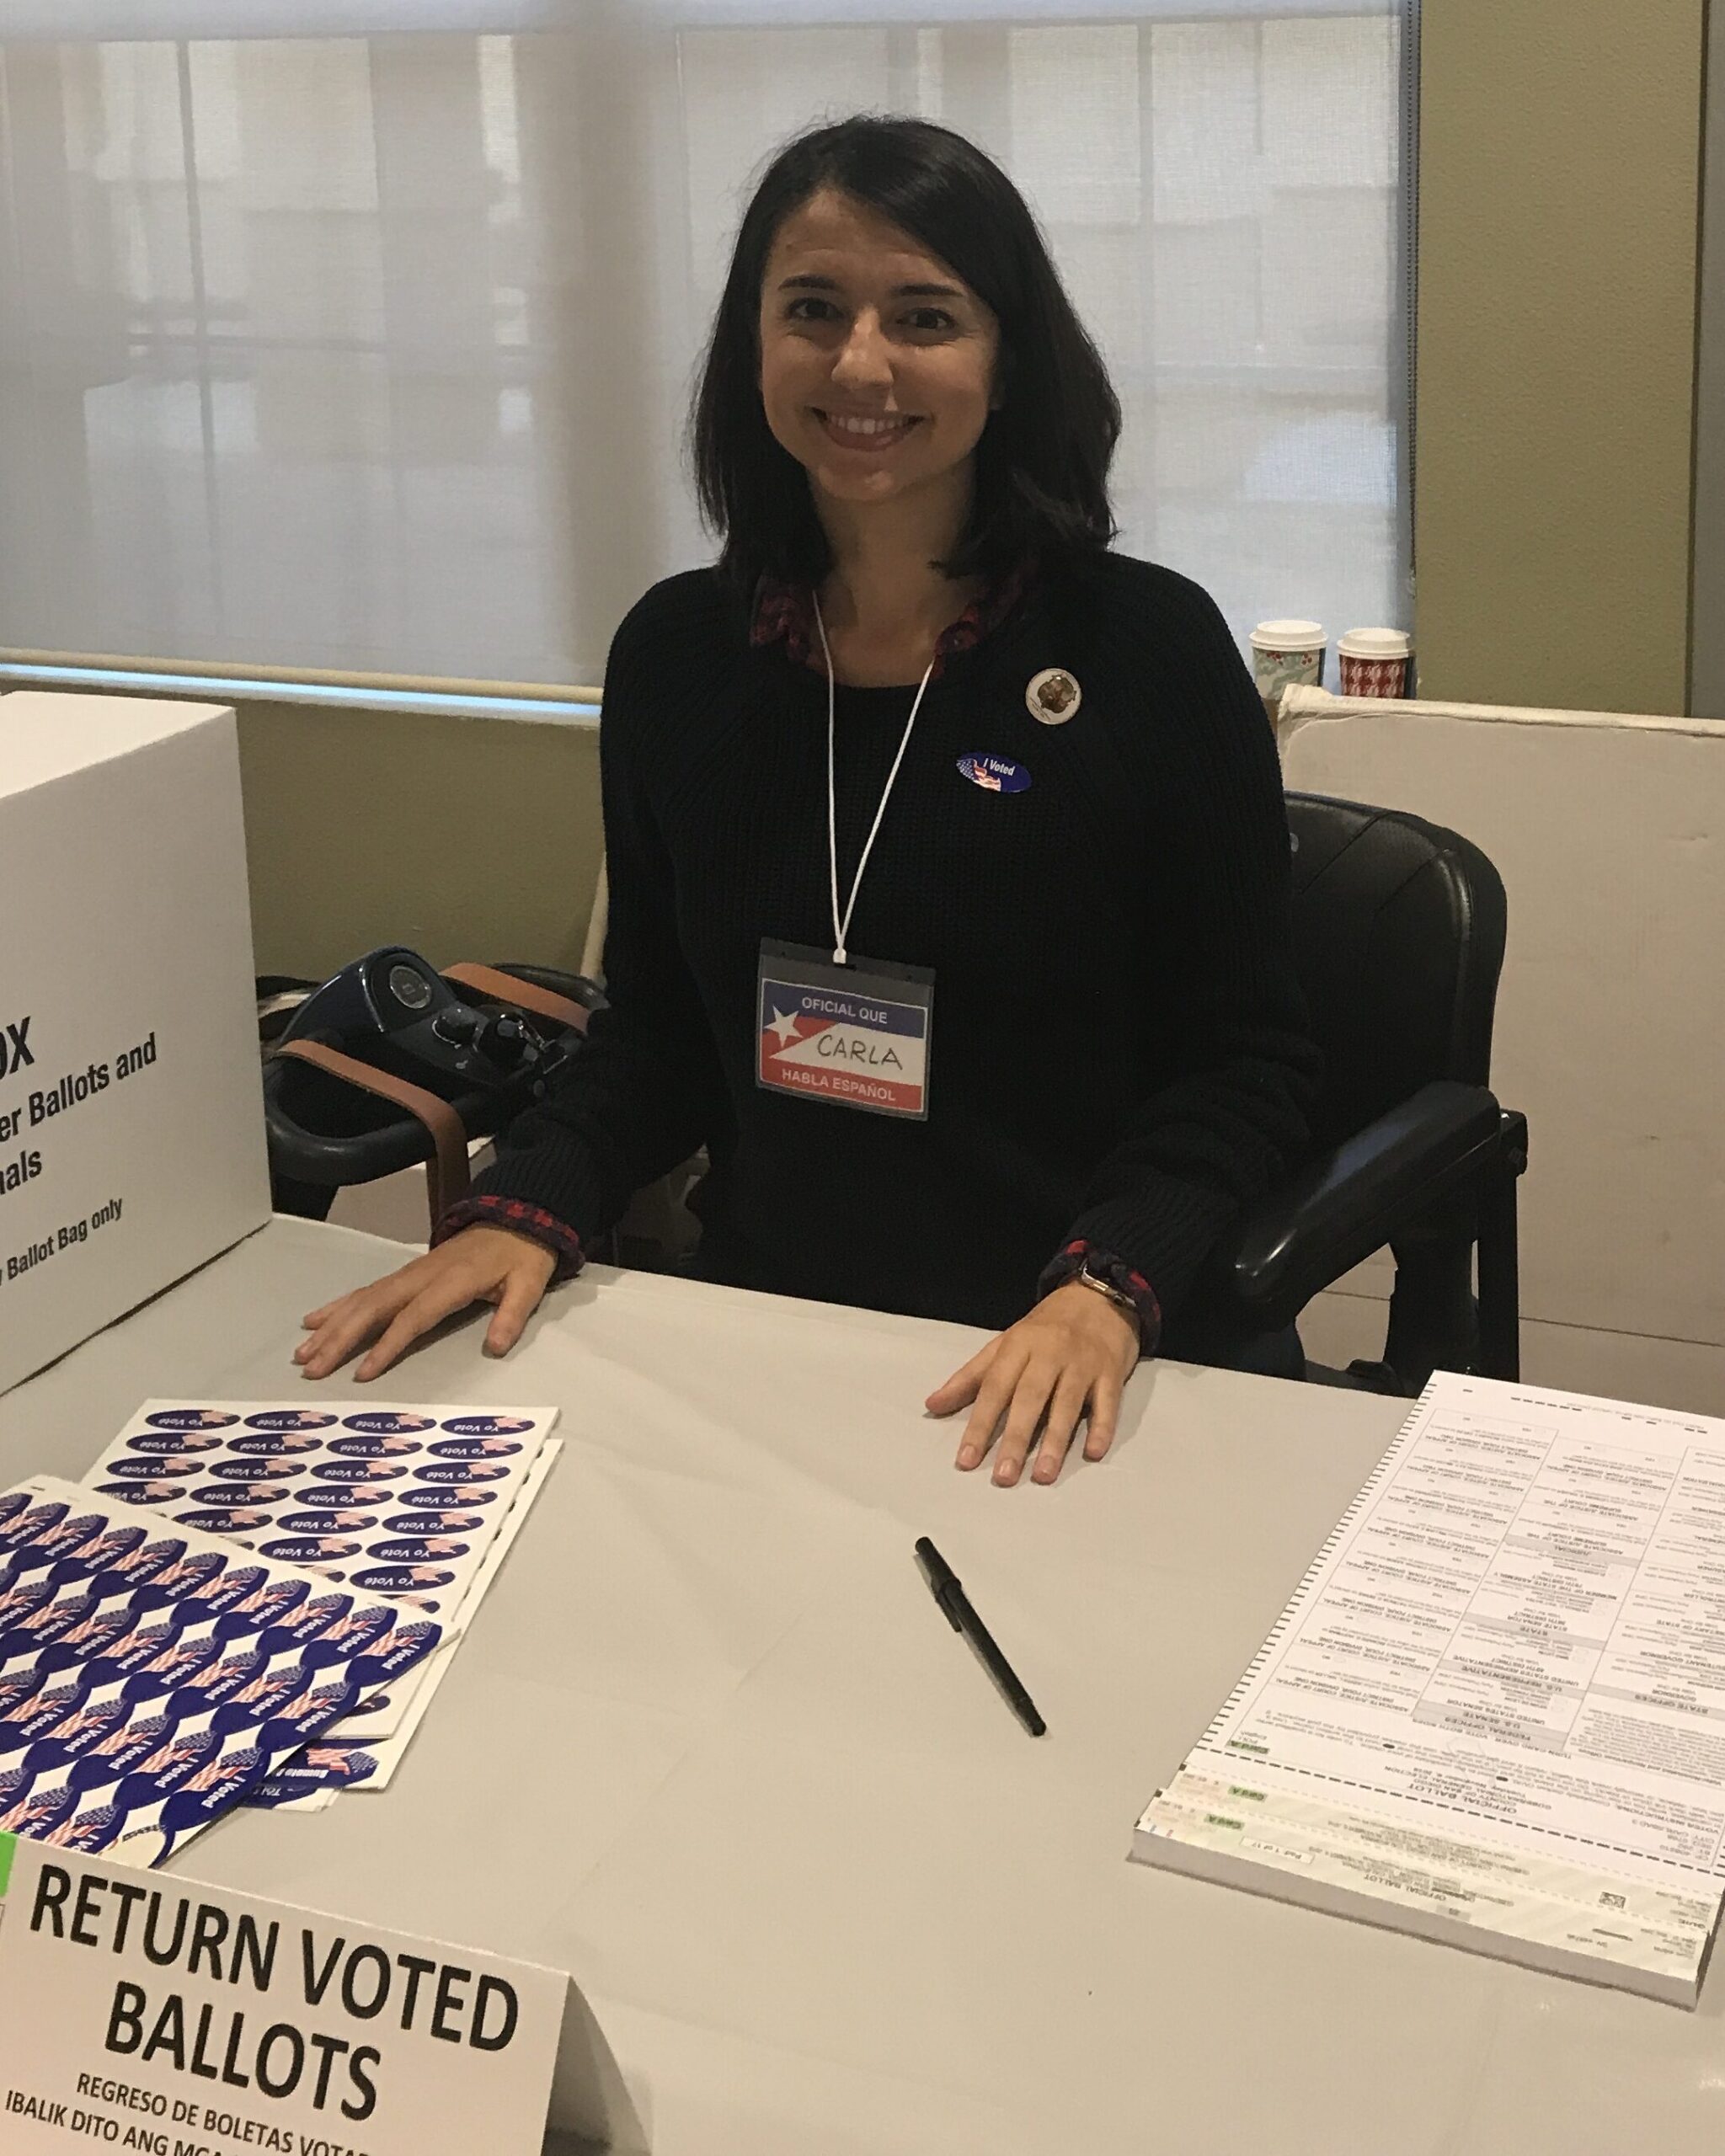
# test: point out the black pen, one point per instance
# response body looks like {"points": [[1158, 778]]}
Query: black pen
{"points": [[951, 1596]]}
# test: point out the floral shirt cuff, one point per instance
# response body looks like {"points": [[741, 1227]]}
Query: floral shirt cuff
{"points": [[1081, 1256], [533, 1221]]}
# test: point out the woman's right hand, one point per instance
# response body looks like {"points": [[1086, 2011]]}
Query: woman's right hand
{"points": [[479, 1265]]}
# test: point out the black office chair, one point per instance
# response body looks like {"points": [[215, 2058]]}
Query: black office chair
{"points": [[1399, 929]]}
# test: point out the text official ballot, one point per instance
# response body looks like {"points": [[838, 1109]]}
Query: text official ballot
{"points": [[1493, 1712]]}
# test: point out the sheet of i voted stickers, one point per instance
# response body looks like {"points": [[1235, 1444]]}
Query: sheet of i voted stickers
{"points": [[151, 1673], [414, 1504], [395, 1501], [363, 1752]]}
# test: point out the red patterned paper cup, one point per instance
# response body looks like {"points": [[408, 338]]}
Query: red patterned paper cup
{"points": [[1376, 662]]}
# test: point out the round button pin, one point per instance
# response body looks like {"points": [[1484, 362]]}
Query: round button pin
{"points": [[1053, 697]]}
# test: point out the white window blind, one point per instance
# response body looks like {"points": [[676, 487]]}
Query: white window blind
{"points": [[363, 343]]}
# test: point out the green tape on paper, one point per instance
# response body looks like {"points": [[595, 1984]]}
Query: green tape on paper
{"points": [[7, 1844]]}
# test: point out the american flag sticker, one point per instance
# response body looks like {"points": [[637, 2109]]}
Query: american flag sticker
{"points": [[994, 773]]}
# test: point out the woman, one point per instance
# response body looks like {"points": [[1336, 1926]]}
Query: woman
{"points": [[918, 712]]}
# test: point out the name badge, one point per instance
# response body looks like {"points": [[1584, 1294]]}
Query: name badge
{"points": [[855, 1036]]}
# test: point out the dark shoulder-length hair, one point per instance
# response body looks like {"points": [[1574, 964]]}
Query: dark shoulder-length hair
{"points": [[1042, 464]]}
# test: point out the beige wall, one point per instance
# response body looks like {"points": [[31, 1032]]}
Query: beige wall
{"points": [[1560, 176], [464, 838]]}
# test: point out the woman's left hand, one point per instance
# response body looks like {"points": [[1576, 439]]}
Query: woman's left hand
{"points": [[1069, 1359]]}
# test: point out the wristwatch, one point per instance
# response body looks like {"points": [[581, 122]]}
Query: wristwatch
{"points": [[1111, 1276], [1125, 1303], [1129, 1293]]}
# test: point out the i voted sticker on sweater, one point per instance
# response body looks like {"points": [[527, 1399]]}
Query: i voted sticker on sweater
{"points": [[995, 774], [855, 1036]]}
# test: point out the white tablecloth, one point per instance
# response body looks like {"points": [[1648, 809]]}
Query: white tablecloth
{"points": [[711, 1747]]}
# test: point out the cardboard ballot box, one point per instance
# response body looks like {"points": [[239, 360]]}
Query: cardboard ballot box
{"points": [[131, 1128]]}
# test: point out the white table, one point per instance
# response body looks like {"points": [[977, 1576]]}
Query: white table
{"points": [[711, 1747]]}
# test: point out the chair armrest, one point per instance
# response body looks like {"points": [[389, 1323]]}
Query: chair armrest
{"points": [[1346, 1203]]}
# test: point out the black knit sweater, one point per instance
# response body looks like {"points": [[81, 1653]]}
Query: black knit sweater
{"points": [[1119, 1052]]}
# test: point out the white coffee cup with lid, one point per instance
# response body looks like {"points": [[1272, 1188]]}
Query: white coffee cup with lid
{"points": [[1285, 654], [1376, 662]]}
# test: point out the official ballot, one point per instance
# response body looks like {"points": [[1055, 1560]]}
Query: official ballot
{"points": [[1493, 1711], [131, 1125]]}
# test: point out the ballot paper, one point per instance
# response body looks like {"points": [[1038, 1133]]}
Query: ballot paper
{"points": [[150, 1673], [1493, 1712]]}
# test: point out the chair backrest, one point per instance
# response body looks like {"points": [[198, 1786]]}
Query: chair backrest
{"points": [[1609, 831], [1398, 936]]}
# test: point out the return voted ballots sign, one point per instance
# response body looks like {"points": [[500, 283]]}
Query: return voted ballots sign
{"points": [[139, 2011]]}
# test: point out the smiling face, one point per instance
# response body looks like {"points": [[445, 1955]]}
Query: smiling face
{"points": [[877, 361]]}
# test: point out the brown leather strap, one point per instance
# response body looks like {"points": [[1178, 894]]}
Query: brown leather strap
{"points": [[446, 1178], [506, 988]]}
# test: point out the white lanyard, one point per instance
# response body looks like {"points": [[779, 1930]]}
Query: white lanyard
{"points": [[841, 924]]}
